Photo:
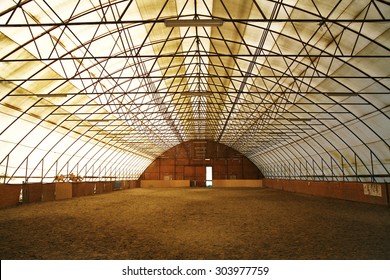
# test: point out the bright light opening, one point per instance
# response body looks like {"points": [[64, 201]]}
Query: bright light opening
{"points": [[209, 176]]}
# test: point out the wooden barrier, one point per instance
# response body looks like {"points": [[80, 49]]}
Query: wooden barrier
{"points": [[103, 187], [32, 192], [99, 187], [82, 189], [165, 183], [237, 183], [108, 186], [38, 192], [135, 184], [9, 195], [48, 192], [125, 185], [375, 193], [63, 190]]}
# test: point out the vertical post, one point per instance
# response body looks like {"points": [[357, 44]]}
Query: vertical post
{"points": [[281, 171], [6, 169], [42, 173], [26, 176], [331, 167], [300, 170], [356, 170], [314, 172], [293, 171], [307, 171], [56, 168], [372, 167]]}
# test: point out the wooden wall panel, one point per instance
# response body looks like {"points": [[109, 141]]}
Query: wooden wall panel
{"points": [[167, 169], [108, 186], [234, 169], [200, 172], [165, 183], [131, 184], [167, 162], [189, 171], [182, 161], [48, 192], [99, 187], [37, 192], [179, 169], [63, 190], [249, 169], [9, 195], [135, 184], [32, 192], [237, 183], [125, 185], [374, 193], [151, 176], [78, 189]]}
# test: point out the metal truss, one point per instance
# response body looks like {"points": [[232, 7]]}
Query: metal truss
{"points": [[102, 88]]}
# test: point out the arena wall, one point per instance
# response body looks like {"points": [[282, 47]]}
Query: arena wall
{"points": [[41, 192], [237, 183], [9, 195], [375, 193]]}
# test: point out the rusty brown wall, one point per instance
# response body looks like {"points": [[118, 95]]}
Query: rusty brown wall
{"points": [[82, 188], [354, 191], [99, 186], [63, 190], [38, 192], [48, 192], [188, 161], [134, 184], [104, 187], [129, 184], [125, 185], [108, 186], [32, 192], [9, 195]]}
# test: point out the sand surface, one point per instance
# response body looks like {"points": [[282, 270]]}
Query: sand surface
{"points": [[196, 224]]}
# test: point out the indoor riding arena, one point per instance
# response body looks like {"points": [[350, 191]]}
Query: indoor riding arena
{"points": [[194, 130]]}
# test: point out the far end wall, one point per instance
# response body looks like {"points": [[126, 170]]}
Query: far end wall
{"points": [[188, 161]]}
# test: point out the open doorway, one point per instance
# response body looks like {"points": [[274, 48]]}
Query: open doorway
{"points": [[209, 176]]}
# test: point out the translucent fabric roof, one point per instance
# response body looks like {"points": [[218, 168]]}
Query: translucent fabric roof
{"points": [[101, 88]]}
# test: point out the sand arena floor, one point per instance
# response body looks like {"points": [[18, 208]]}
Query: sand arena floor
{"points": [[196, 224]]}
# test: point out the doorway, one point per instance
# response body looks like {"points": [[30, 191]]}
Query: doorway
{"points": [[209, 176]]}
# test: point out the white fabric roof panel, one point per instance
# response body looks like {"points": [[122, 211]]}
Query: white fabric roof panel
{"points": [[301, 87]]}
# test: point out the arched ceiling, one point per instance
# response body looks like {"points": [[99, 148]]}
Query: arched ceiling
{"points": [[101, 88]]}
